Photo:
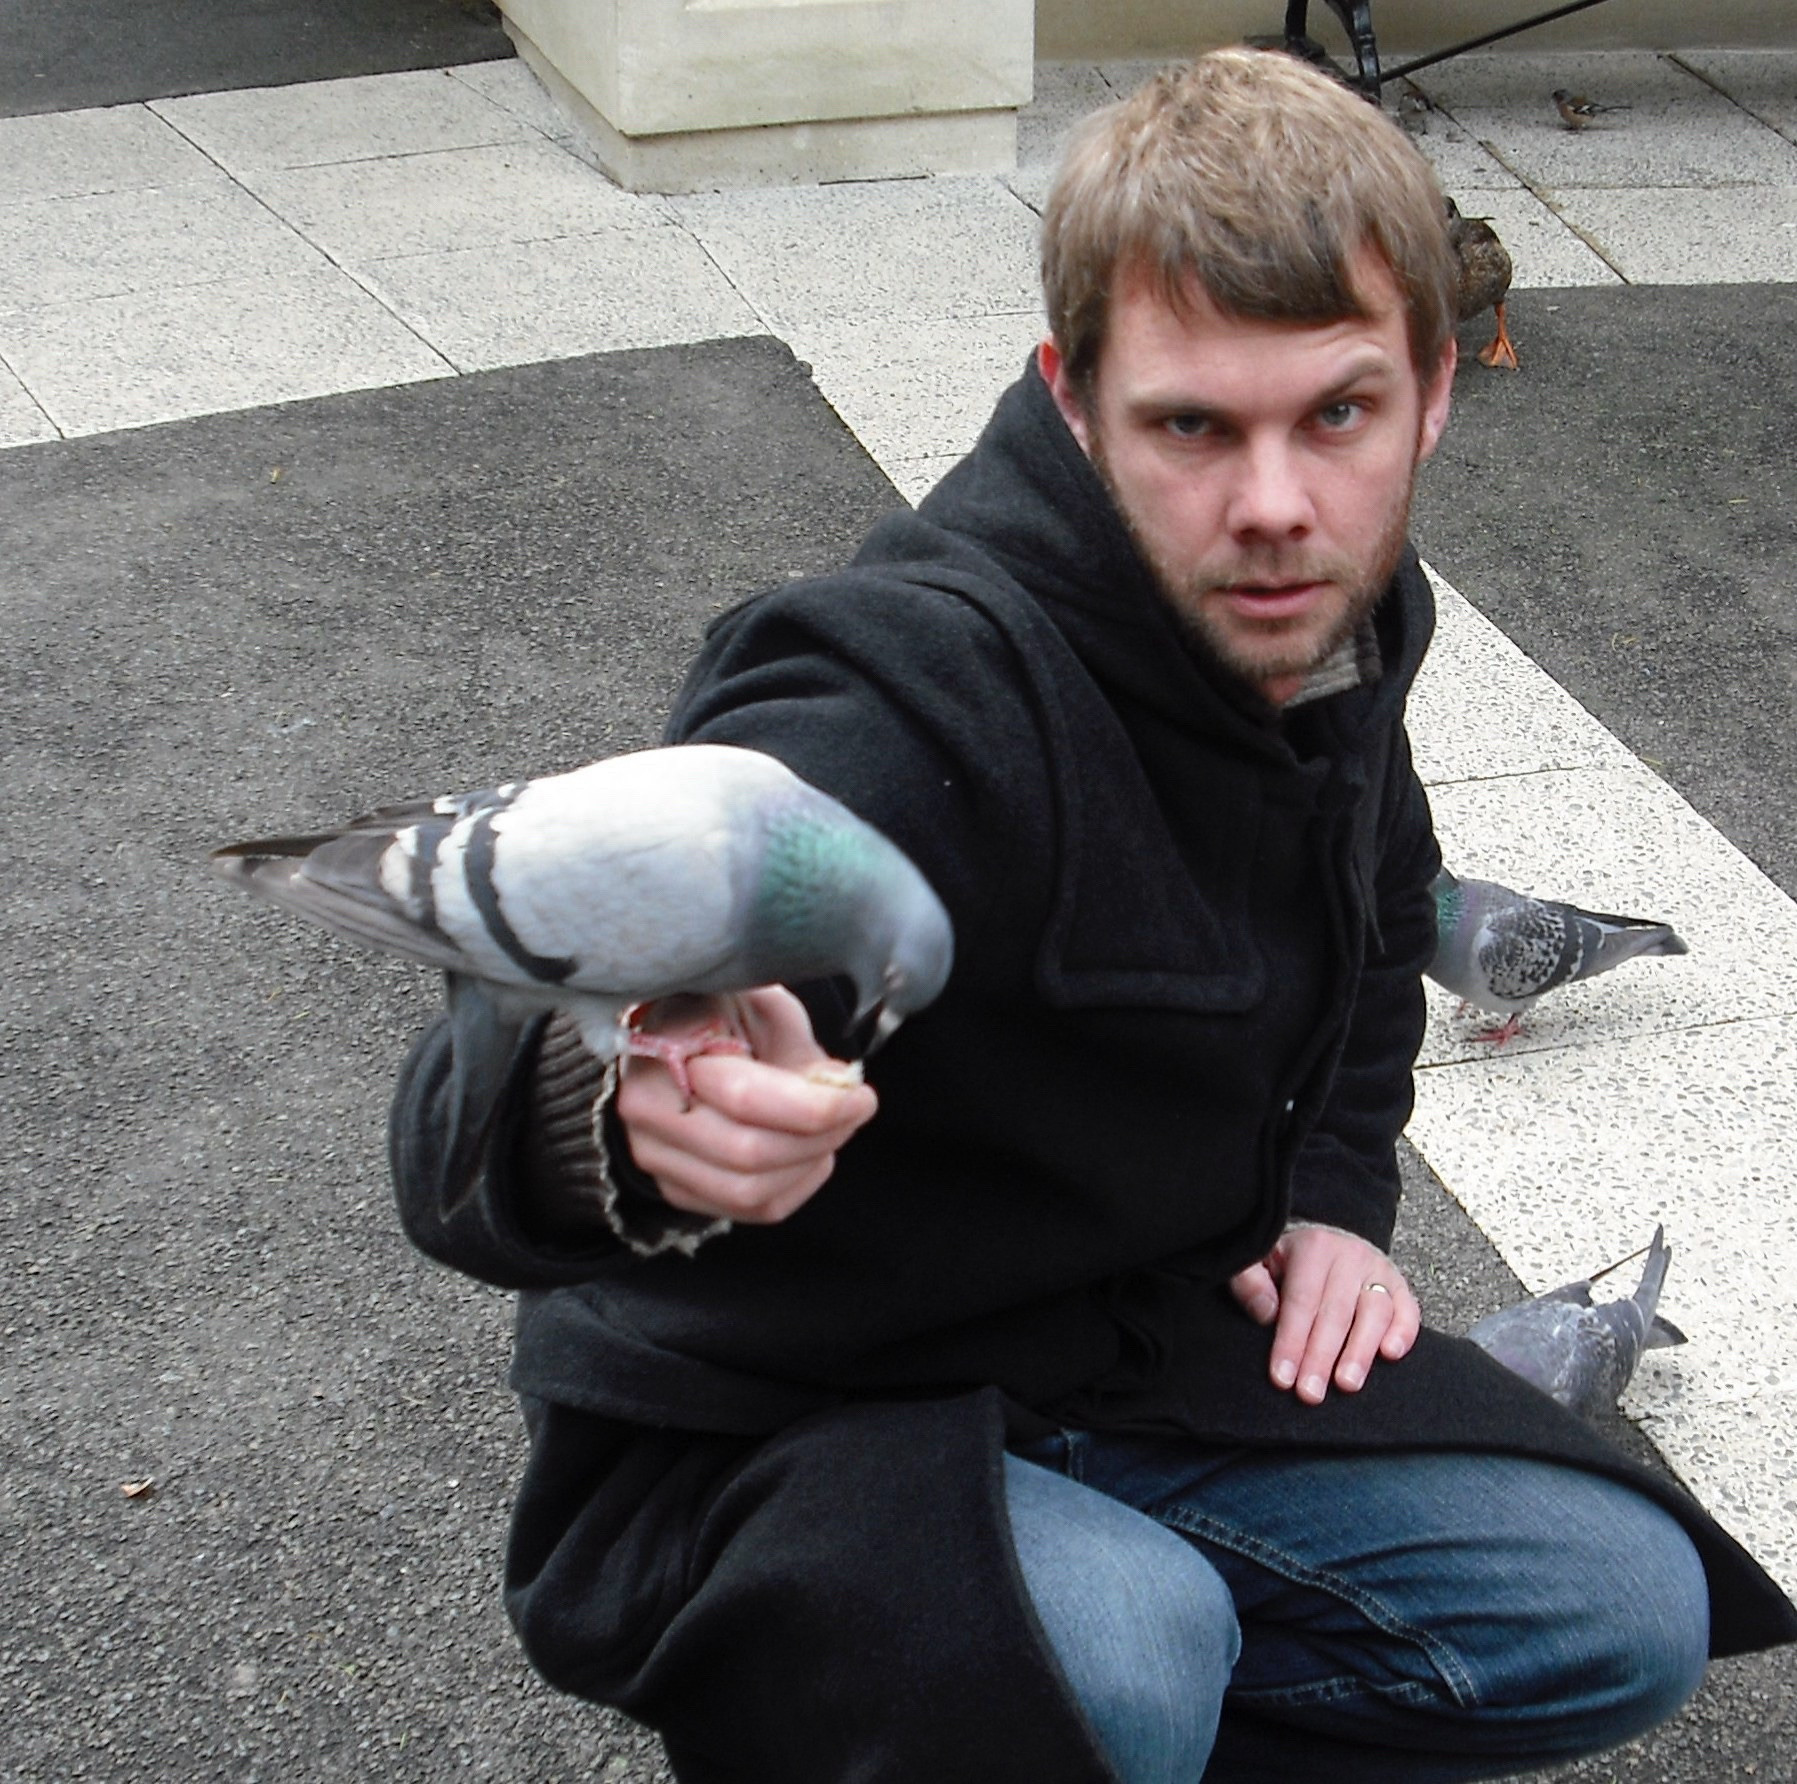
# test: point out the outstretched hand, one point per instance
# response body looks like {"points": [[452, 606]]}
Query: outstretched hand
{"points": [[1339, 1301], [760, 1134]]}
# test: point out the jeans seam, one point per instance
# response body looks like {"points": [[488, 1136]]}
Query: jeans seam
{"points": [[1454, 1676]]}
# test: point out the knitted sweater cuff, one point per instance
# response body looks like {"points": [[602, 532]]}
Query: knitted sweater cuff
{"points": [[582, 1179]]}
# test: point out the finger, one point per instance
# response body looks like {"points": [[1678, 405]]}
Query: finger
{"points": [[698, 1188], [778, 1028], [781, 1126], [753, 1144], [1301, 1293], [1373, 1312], [812, 1101], [1256, 1292], [1386, 1321], [1318, 1304], [1329, 1330], [747, 1091], [1406, 1322]]}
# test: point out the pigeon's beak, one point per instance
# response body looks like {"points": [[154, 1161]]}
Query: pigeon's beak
{"points": [[886, 1023]]}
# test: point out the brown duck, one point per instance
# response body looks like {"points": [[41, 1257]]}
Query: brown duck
{"points": [[1484, 279]]}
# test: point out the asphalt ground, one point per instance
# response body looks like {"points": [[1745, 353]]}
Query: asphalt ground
{"points": [[61, 55], [221, 628], [1625, 509], [271, 620]]}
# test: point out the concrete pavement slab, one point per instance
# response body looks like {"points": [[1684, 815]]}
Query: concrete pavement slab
{"points": [[67, 250], [588, 294], [1462, 163], [1763, 82], [1677, 130], [511, 84], [118, 148], [22, 421], [156, 356], [360, 118], [916, 248], [918, 388], [1740, 1724], [1602, 1142], [1064, 93], [1481, 710], [434, 203], [1620, 839], [1664, 236], [1544, 249]]}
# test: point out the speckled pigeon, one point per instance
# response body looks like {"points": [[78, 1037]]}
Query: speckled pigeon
{"points": [[698, 868], [1500, 950], [1580, 1354]]}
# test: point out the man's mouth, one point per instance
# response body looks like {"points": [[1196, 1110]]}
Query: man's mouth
{"points": [[1278, 600]]}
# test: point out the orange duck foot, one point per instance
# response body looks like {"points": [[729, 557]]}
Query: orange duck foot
{"points": [[1500, 352]]}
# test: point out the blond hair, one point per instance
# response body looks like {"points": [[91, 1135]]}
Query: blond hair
{"points": [[1259, 179]]}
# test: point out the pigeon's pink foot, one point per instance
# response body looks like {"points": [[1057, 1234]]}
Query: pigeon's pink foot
{"points": [[719, 1035], [1507, 1030]]}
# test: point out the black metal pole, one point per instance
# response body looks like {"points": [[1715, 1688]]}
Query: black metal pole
{"points": [[1473, 43]]}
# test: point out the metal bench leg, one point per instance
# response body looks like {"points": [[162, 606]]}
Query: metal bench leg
{"points": [[1357, 19]]}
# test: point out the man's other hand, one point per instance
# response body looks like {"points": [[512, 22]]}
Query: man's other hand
{"points": [[1339, 1302], [761, 1133]]}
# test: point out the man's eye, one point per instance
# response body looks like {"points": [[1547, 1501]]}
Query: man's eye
{"points": [[1188, 427], [1339, 415]]}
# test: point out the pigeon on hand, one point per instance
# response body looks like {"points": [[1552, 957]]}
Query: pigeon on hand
{"points": [[1580, 1354], [1500, 950], [1577, 112], [698, 868]]}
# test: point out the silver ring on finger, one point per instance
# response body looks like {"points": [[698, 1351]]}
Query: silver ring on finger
{"points": [[1375, 1288]]}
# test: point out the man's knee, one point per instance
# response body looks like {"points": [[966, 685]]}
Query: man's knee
{"points": [[1658, 1617], [1143, 1628], [1623, 1626]]}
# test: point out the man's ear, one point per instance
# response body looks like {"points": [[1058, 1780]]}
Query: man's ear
{"points": [[1066, 396], [1435, 400]]}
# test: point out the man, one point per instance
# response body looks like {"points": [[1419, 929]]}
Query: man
{"points": [[1047, 1408]]}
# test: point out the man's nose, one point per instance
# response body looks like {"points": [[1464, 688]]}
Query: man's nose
{"points": [[1270, 499]]}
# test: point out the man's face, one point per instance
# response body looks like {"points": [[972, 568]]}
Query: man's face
{"points": [[1265, 468]]}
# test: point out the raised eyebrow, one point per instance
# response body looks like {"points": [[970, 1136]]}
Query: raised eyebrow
{"points": [[1374, 370]]}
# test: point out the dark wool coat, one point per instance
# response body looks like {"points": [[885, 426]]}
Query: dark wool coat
{"points": [[765, 1486]]}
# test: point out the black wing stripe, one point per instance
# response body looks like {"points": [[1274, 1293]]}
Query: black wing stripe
{"points": [[477, 869]]}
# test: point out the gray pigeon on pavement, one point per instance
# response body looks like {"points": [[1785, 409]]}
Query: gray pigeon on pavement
{"points": [[1583, 1355], [1500, 950], [698, 868]]}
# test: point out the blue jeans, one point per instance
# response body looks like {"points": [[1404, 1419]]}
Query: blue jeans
{"points": [[1420, 1616]]}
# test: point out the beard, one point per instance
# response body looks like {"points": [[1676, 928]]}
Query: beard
{"points": [[1270, 648]]}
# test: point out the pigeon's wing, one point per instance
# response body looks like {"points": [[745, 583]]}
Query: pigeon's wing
{"points": [[1607, 941], [484, 1034], [1574, 1294], [627, 879], [615, 879], [1540, 1341], [1527, 946], [370, 883]]}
